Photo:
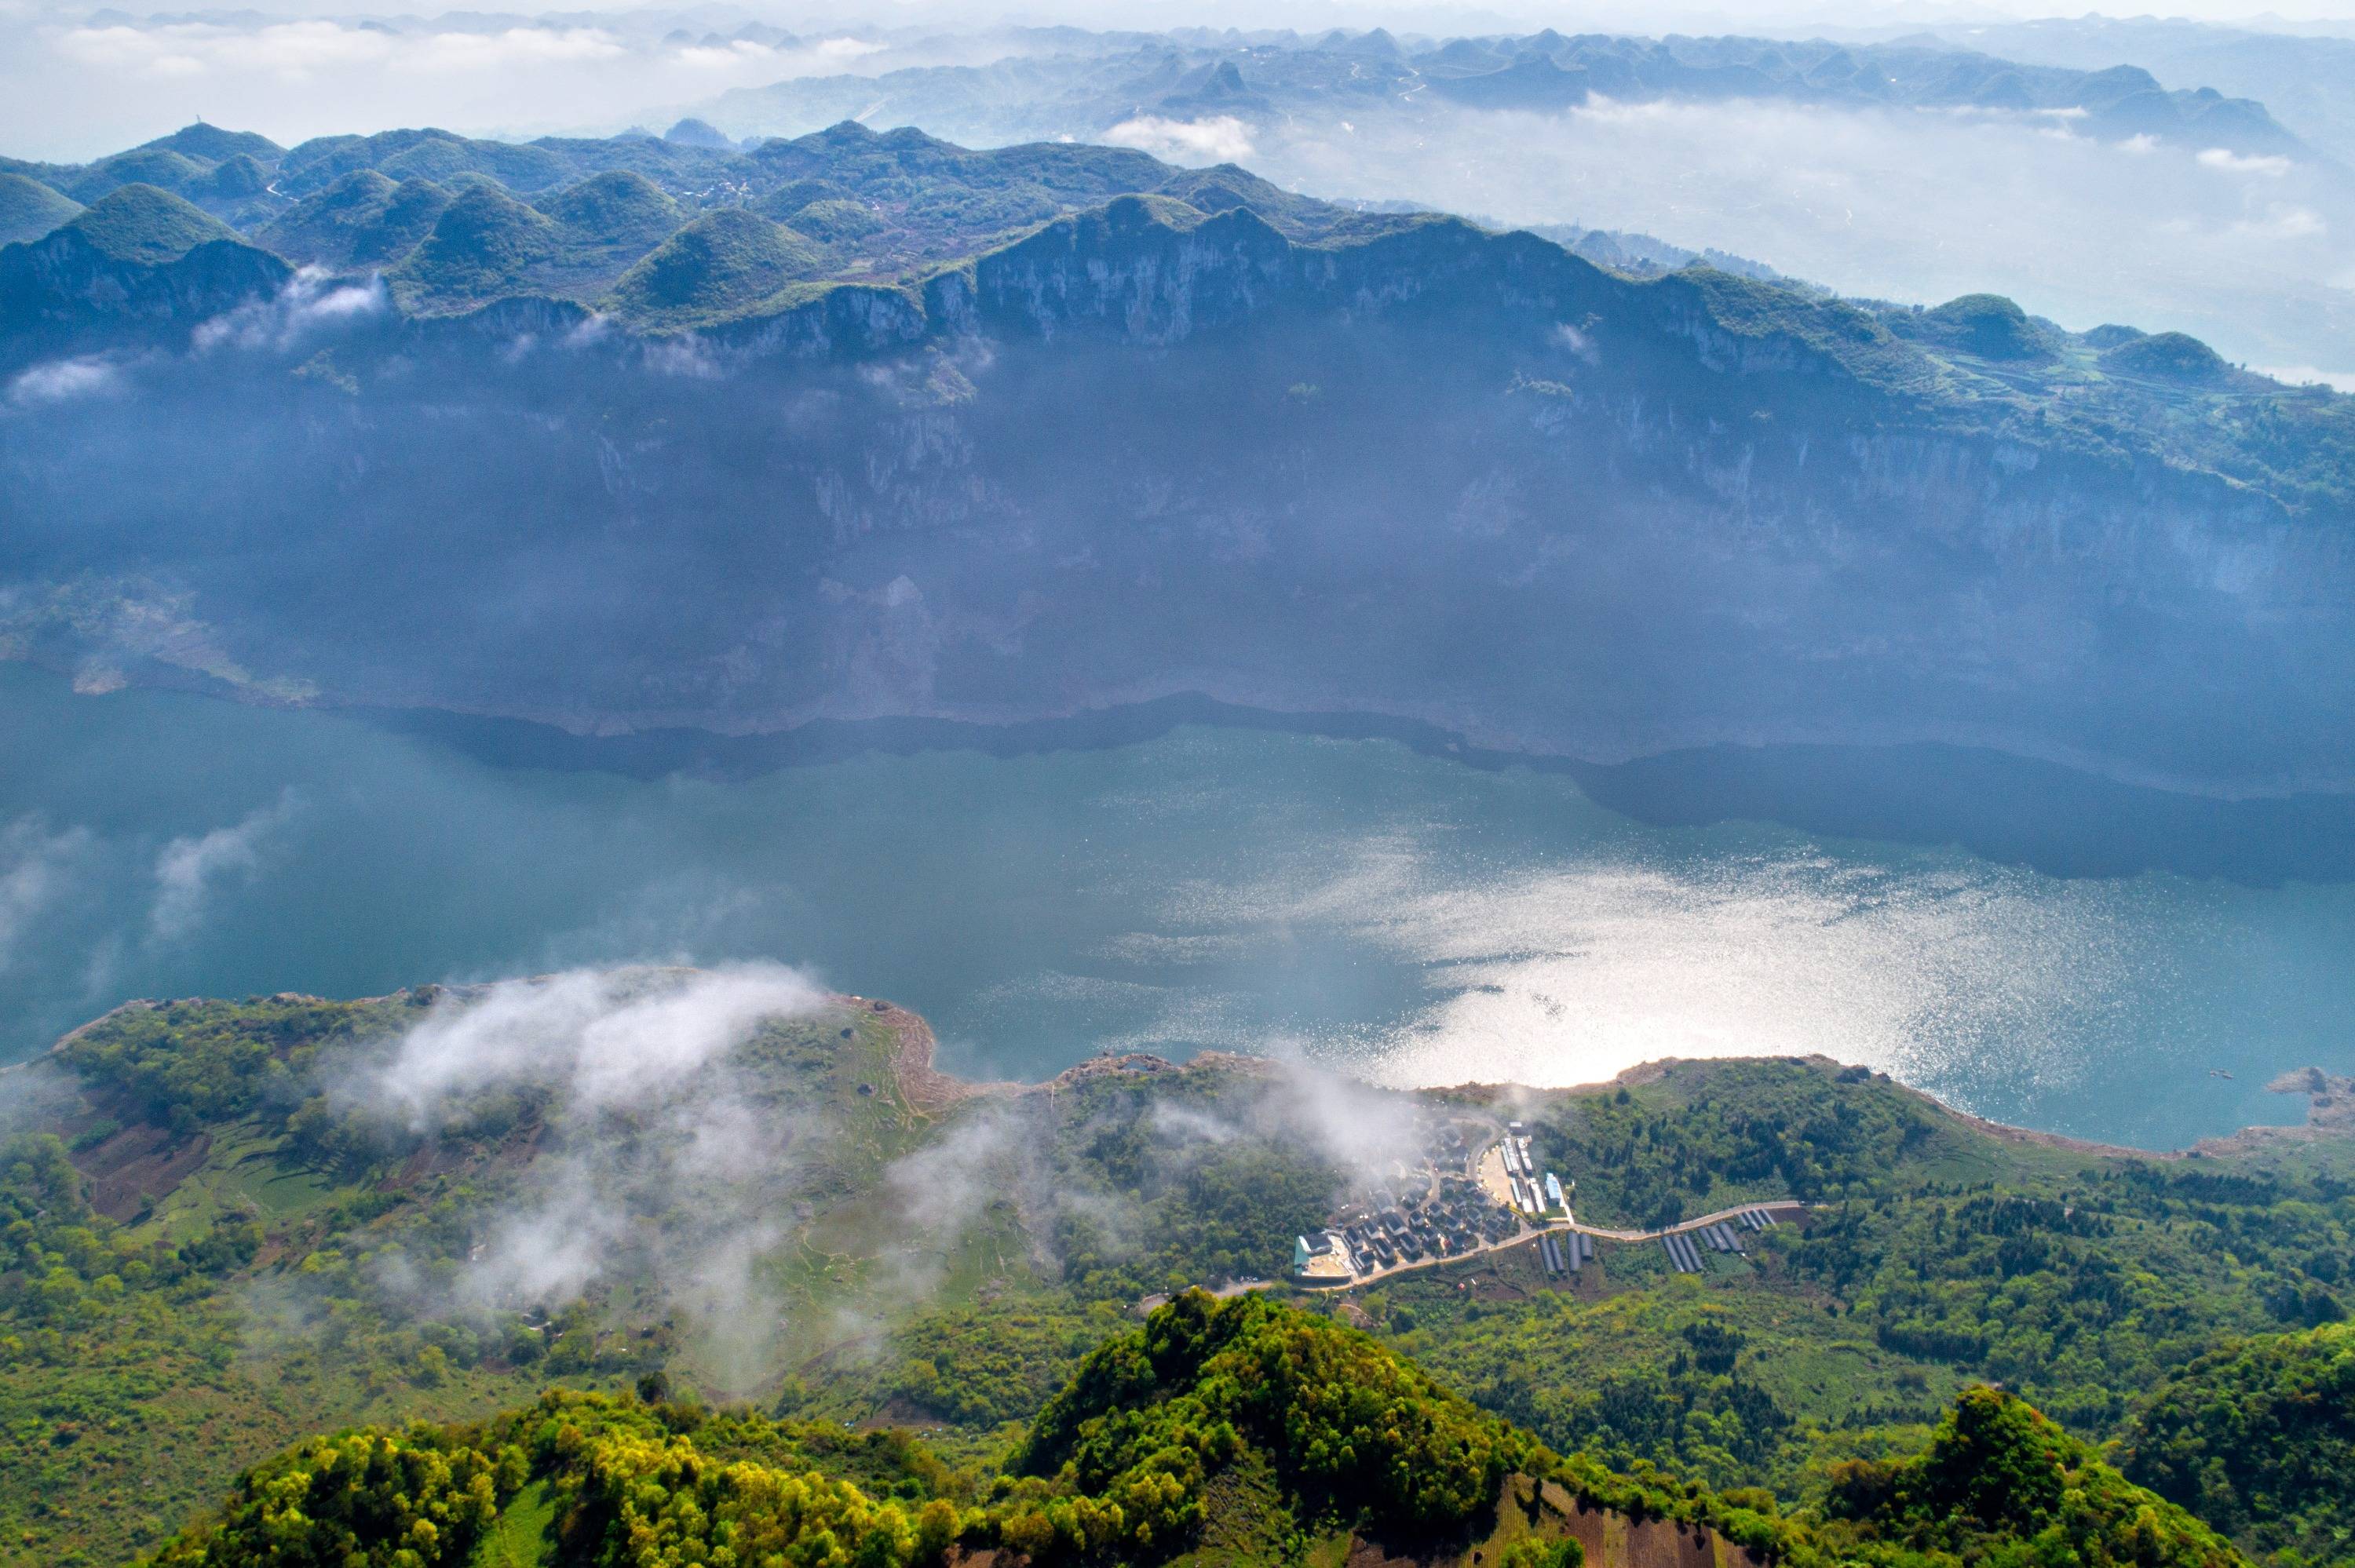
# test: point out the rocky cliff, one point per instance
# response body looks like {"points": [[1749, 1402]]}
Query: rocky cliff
{"points": [[1439, 473]]}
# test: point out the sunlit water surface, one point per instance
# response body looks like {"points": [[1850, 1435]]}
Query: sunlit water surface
{"points": [[1404, 915]]}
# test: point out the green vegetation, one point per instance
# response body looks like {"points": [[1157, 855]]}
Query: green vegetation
{"points": [[1987, 325], [484, 245], [212, 1250], [723, 263], [2169, 357], [2259, 1439], [1237, 1432], [1998, 1483], [612, 220], [364, 220], [139, 224], [671, 235], [28, 210]]}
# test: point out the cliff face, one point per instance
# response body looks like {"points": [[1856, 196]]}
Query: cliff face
{"points": [[1441, 474], [62, 289]]}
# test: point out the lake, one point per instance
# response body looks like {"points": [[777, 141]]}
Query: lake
{"points": [[2031, 944]]}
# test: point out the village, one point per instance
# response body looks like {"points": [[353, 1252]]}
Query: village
{"points": [[1448, 1202]]}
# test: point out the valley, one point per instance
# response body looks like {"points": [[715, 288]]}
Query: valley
{"points": [[1303, 826]]}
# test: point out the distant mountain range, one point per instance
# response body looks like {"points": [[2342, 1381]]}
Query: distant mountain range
{"points": [[662, 231], [1155, 430], [1110, 79], [2305, 80]]}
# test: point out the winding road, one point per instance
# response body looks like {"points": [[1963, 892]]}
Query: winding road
{"points": [[1775, 1207]]}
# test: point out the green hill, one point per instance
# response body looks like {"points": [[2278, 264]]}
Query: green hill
{"points": [[156, 166], [836, 222], [484, 245], [214, 145], [2168, 356], [1239, 1433], [609, 221], [1985, 325], [29, 209], [140, 224], [363, 219], [722, 263], [2259, 1439]]}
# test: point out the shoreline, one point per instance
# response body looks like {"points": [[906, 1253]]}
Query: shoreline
{"points": [[819, 733], [1995, 798], [2330, 1109], [926, 1089]]}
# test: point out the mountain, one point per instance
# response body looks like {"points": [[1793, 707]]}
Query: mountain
{"points": [[217, 144], [2301, 75], [363, 219], [29, 209], [138, 268], [226, 1224], [1384, 463], [2259, 1437], [722, 264], [611, 221], [484, 245], [1087, 86], [1239, 1431], [139, 224]]}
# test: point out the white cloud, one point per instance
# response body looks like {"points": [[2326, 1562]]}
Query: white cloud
{"points": [[606, 1035], [518, 49], [60, 380], [2239, 164], [74, 91], [310, 303], [36, 869], [1223, 139], [2283, 222], [189, 869], [1889, 204]]}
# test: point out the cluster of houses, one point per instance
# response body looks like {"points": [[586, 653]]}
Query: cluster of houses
{"points": [[1452, 1213], [1535, 1193]]}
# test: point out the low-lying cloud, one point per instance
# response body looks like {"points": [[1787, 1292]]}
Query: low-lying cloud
{"points": [[1221, 138], [190, 869], [59, 380], [37, 867], [310, 304], [606, 1037], [2246, 251]]}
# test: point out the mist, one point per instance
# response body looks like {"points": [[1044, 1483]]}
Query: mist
{"points": [[2249, 253], [74, 87]]}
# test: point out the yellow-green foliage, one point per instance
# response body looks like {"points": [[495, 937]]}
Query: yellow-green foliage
{"points": [[2000, 1484], [360, 1499], [650, 1502], [1355, 1432]]}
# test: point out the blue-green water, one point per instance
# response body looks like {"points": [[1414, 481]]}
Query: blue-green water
{"points": [[1414, 918]]}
